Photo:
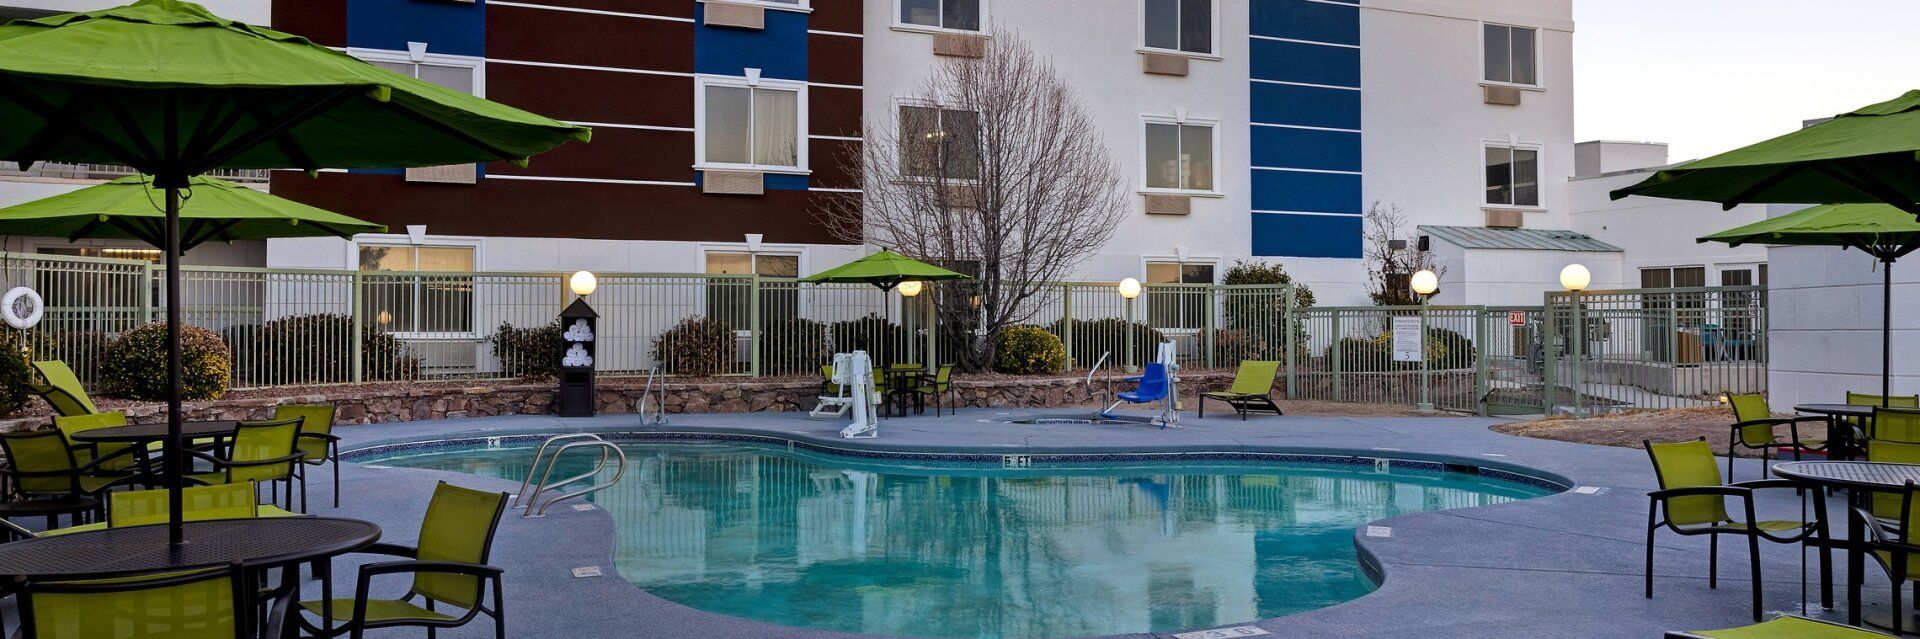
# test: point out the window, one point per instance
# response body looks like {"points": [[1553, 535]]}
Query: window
{"points": [[958, 15], [757, 125], [1179, 156], [1178, 307], [936, 142], [727, 299], [1179, 25], [775, 4], [1510, 55], [418, 289], [1513, 176], [460, 73], [1673, 277], [143, 254]]}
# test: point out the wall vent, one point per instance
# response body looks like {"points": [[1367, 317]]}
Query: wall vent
{"points": [[737, 16], [445, 174], [1501, 95], [1504, 218], [1169, 205], [733, 182], [960, 45], [1163, 64]]}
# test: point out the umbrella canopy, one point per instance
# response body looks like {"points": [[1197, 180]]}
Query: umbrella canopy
{"points": [[173, 90], [1863, 157], [1882, 231], [886, 270], [214, 210]]}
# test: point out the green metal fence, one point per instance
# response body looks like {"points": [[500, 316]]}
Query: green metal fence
{"points": [[1601, 350]]}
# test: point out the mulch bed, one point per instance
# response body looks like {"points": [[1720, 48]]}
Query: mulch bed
{"points": [[1629, 429]]}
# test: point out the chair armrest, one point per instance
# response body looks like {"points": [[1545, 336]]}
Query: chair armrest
{"points": [[329, 437], [228, 463], [1768, 483], [1777, 421], [1696, 491], [392, 550], [1876, 530]]}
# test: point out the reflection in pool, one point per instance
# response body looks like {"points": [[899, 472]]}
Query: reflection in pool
{"points": [[966, 550]]}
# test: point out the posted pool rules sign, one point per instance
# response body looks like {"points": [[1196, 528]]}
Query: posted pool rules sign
{"points": [[1406, 339]]}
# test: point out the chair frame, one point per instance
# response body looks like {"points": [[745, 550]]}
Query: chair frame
{"points": [[12, 474], [1657, 517], [357, 627], [931, 385], [1880, 536], [1736, 439], [227, 465], [244, 622]]}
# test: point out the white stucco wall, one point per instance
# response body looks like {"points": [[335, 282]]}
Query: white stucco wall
{"points": [[1514, 277], [553, 255], [1657, 232], [1824, 306]]}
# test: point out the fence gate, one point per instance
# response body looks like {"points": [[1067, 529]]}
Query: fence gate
{"points": [[1653, 348]]}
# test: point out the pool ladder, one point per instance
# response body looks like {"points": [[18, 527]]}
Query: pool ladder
{"points": [[659, 396], [531, 503]]}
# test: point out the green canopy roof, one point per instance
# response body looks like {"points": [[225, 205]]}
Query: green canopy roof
{"points": [[173, 89], [885, 269], [214, 209], [1878, 229], [1866, 156]]}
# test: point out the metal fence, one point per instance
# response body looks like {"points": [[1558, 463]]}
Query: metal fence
{"points": [[290, 327]]}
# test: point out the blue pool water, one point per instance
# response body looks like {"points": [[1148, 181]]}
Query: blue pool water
{"points": [[973, 550]]}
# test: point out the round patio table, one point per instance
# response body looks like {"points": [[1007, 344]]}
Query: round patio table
{"points": [[141, 433], [1862, 479]]}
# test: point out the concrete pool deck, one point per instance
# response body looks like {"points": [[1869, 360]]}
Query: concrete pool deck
{"points": [[1565, 565]]}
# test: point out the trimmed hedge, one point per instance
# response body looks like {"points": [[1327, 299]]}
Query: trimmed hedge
{"points": [[1093, 337], [313, 349], [533, 352], [885, 342], [1446, 349], [135, 366], [1028, 350], [793, 345], [698, 345]]}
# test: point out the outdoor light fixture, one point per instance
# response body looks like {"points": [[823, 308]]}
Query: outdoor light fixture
{"points": [[1425, 282], [582, 283], [1129, 288], [911, 288], [1575, 277]]}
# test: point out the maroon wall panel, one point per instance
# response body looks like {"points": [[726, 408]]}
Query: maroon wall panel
{"points": [[322, 21], [667, 8], [565, 37], [835, 163], [616, 154], [833, 111], [586, 95], [833, 59], [837, 15]]}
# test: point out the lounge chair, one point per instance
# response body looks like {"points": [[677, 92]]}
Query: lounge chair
{"points": [[62, 389], [1783, 627], [1693, 501], [1753, 428], [1251, 391]]}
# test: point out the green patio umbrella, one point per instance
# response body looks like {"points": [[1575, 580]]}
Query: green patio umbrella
{"points": [[213, 210], [1867, 156], [174, 91], [886, 270], [1881, 231]]}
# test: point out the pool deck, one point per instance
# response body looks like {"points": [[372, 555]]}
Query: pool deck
{"points": [[1565, 565]]}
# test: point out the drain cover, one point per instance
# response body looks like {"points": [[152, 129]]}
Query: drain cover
{"points": [[580, 508], [587, 571], [1379, 531], [1223, 633]]}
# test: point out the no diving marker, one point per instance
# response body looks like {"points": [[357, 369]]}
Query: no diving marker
{"points": [[1223, 633]]}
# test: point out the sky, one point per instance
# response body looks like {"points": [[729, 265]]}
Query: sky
{"points": [[1707, 76]]}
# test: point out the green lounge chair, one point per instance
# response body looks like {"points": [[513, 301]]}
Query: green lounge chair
{"points": [[263, 452], [1753, 428], [62, 389], [940, 385], [449, 567], [1783, 627], [317, 442], [1897, 550], [1692, 501], [199, 604], [1251, 391], [1896, 425]]}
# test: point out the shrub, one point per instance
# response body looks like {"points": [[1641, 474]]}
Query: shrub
{"points": [[315, 349], [1028, 350], [1232, 346], [885, 342], [135, 366], [1446, 349], [698, 345], [15, 376], [1093, 337], [792, 345], [529, 352], [1262, 314], [1449, 349]]}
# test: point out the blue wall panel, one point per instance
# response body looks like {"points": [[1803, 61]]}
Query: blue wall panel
{"points": [[1306, 235], [1310, 63], [1306, 149], [1305, 20], [446, 27], [778, 51], [1306, 106], [1309, 192]]}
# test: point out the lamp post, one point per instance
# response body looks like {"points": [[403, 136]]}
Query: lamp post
{"points": [[1129, 289], [1575, 279], [909, 290], [1425, 283]]}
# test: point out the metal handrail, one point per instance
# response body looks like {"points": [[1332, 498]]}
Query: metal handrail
{"points": [[1096, 369], [660, 403], [604, 446], [519, 497]]}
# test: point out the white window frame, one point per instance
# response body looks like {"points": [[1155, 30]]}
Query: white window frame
{"points": [[477, 65], [797, 251], [1190, 260], [1182, 120], [899, 128], [1539, 57], [802, 6], [801, 134], [1539, 168], [900, 24], [445, 241], [1213, 48]]}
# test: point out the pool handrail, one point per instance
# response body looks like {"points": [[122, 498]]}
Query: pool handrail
{"points": [[601, 444], [520, 496]]}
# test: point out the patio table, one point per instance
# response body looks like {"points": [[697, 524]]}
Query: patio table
{"points": [[1837, 415], [143, 433], [1861, 479]]}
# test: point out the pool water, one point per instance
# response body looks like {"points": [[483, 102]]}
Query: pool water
{"points": [[974, 550]]}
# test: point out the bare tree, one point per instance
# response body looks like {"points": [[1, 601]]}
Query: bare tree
{"points": [[1393, 258], [994, 168]]}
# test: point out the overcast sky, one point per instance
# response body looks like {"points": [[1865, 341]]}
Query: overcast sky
{"points": [[1711, 75]]}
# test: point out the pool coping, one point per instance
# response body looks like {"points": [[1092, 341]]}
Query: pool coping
{"points": [[1396, 565]]}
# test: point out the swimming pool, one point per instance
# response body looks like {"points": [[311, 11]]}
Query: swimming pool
{"points": [[967, 549]]}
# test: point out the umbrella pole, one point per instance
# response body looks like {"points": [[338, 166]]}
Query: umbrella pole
{"points": [[1886, 332], [172, 451]]}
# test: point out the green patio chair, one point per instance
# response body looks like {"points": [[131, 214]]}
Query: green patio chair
{"points": [[263, 452], [62, 389], [112, 458], [1783, 627], [1897, 550], [1861, 427], [1251, 390], [449, 567], [317, 442], [202, 503], [1753, 428], [199, 604], [941, 384], [1692, 501], [1896, 425], [41, 465], [1886, 504]]}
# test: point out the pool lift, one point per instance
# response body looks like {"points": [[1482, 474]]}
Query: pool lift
{"points": [[853, 373], [1158, 383]]}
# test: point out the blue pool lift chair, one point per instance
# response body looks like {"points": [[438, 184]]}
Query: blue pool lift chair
{"points": [[1152, 385]]}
